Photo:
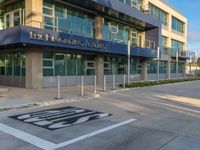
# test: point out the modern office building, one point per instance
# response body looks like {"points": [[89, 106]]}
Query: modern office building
{"points": [[41, 39]]}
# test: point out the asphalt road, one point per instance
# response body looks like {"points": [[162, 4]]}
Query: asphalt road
{"points": [[164, 117]]}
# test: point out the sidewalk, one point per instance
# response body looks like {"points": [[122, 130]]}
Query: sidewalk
{"points": [[16, 98]]}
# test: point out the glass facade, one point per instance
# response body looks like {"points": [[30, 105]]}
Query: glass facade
{"points": [[71, 65], [115, 65], [12, 64], [59, 18], [158, 13], [173, 67], [176, 47], [12, 15], [152, 67], [133, 3], [118, 65], [119, 33], [164, 41], [136, 66], [177, 25], [67, 64], [181, 67], [163, 67]]}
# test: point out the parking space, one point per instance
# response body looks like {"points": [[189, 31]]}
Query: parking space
{"points": [[53, 119], [139, 119]]}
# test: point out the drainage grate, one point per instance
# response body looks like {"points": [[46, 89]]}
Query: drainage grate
{"points": [[53, 119]]}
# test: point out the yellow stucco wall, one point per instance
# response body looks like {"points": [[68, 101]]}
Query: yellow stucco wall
{"points": [[33, 11], [167, 31]]}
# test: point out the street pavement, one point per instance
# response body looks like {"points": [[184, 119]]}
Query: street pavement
{"points": [[165, 117]]}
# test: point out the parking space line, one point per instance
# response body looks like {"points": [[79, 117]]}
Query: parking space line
{"points": [[36, 141], [93, 133], [46, 145]]}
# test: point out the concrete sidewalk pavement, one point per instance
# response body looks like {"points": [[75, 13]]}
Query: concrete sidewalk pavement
{"points": [[15, 97]]}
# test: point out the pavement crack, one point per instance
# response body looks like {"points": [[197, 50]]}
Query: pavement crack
{"points": [[167, 142]]}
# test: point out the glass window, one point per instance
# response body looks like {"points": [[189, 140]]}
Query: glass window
{"points": [[176, 47], [158, 14], [119, 33], [60, 64], [177, 25], [81, 65], [59, 18], [163, 67], [134, 66], [181, 67], [164, 41], [173, 67], [71, 64], [2, 66], [71, 21], [152, 67], [48, 64], [12, 64], [16, 18], [12, 15], [134, 38], [133, 3], [90, 65], [67, 64]]}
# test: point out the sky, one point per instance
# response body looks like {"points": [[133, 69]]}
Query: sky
{"points": [[190, 9]]}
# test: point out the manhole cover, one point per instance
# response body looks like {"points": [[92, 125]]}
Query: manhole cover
{"points": [[60, 117]]}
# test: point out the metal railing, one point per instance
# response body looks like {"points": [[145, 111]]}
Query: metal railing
{"points": [[109, 82], [74, 26]]}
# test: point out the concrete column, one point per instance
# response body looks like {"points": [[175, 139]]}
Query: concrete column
{"points": [[34, 72], [144, 74], [99, 21], [100, 70], [33, 12], [168, 73]]}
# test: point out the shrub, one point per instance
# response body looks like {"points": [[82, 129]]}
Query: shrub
{"points": [[153, 83]]}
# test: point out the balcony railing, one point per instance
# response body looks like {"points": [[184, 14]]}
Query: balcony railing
{"points": [[85, 28], [182, 53]]}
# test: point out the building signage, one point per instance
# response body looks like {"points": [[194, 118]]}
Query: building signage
{"points": [[67, 41]]}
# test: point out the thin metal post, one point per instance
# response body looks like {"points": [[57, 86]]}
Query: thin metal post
{"points": [[82, 86], [113, 82], [104, 83], [95, 84], [124, 81], [129, 59], [158, 64], [190, 66], [58, 88], [176, 64]]}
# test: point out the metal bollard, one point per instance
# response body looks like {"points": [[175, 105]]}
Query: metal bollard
{"points": [[113, 82], [104, 83], [124, 81], [82, 86], [58, 88], [95, 84]]}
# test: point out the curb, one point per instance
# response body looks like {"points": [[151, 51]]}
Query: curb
{"points": [[61, 101]]}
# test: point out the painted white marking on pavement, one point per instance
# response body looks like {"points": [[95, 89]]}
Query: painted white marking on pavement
{"points": [[36, 141], [46, 145], [93, 133]]}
